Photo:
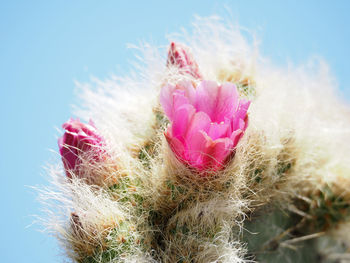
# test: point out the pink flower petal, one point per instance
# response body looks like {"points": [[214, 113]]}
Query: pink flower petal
{"points": [[69, 152], [218, 130], [240, 115], [199, 122], [166, 100], [173, 97], [217, 101], [227, 101], [206, 97], [189, 91], [216, 153], [196, 148], [176, 145], [236, 136], [182, 116]]}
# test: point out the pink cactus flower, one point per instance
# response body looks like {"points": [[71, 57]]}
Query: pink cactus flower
{"points": [[179, 56], [207, 122], [79, 139]]}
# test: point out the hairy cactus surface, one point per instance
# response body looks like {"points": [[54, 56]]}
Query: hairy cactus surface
{"points": [[209, 154]]}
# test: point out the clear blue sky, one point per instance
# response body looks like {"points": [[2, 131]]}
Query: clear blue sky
{"points": [[45, 45]]}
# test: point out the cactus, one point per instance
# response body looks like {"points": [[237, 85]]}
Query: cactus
{"points": [[212, 155]]}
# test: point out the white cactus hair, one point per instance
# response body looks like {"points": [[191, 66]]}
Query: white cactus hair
{"points": [[296, 144]]}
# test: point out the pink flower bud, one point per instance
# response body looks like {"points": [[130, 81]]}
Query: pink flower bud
{"points": [[78, 140], [179, 56], [206, 122]]}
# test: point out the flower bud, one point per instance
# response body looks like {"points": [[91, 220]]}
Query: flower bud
{"points": [[79, 140], [180, 56]]}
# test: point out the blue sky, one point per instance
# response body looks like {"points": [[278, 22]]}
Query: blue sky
{"points": [[46, 45]]}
